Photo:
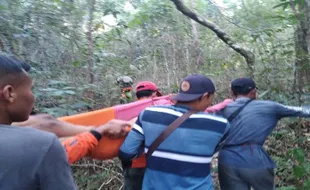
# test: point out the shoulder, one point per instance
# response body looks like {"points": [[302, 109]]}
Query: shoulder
{"points": [[210, 117], [23, 136], [29, 143], [159, 108], [265, 103]]}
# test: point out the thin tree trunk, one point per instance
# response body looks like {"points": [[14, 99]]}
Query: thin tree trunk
{"points": [[198, 52], [188, 66], [166, 68], [193, 23], [174, 68], [307, 15], [301, 61], [90, 41], [154, 64]]}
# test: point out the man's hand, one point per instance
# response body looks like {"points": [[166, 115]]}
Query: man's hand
{"points": [[114, 128]]}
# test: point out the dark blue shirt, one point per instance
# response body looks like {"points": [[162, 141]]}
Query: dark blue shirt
{"points": [[249, 130]]}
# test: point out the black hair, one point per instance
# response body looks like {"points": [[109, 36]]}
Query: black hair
{"points": [[237, 92], [10, 65], [144, 93]]}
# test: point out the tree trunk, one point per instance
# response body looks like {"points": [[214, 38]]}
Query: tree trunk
{"points": [[166, 68], [198, 52], [188, 63], [307, 15], [247, 54], [90, 41], [174, 67], [154, 64], [302, 44]]}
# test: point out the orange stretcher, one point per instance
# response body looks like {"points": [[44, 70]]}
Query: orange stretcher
{"points": [[108, 148]]}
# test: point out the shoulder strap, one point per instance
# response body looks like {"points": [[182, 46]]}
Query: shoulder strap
{"points": [[175, 124], [234, 114]]}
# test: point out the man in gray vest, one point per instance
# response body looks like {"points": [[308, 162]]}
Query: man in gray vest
{"points": [[243, 162]]}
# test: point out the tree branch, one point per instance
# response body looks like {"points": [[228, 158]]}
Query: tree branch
{"points": [[247, 54]]}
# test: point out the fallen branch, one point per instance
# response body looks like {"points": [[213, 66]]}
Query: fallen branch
{"points": [[247, 54]]}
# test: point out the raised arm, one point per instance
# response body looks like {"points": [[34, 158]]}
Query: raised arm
{"points": [[291, 111]]}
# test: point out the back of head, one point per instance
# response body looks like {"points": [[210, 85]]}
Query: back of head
{"points": [[11, 66], [196, 91], [244, 86], [16, 98], [147, 89]]}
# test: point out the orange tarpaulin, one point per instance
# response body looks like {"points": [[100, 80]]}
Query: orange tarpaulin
{"points": [[108, 148]]}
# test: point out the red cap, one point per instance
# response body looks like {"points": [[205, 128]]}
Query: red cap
{"points": [[147, 85]]}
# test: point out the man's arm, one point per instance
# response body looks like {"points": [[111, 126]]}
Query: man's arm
{"points": [[80, 145], [290, 111], [51, 124], [54, 172], [132, 147], [218, 106]]}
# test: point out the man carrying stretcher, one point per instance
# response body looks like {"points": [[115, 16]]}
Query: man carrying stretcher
{"points": [[83, 139]]}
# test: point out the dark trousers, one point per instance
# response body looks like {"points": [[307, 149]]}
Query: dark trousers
{"points": [[232, 178], [133, 178]]}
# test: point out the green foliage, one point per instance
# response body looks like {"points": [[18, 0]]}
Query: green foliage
{"points": [[59, 99], [301, 170]]}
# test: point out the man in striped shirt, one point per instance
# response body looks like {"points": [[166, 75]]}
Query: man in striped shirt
{"points": [[182, 161]]}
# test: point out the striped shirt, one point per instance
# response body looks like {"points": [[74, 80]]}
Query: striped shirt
{"points": [[183, 160]]}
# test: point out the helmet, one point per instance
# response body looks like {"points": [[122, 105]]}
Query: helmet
{"points": [[124, 81]]}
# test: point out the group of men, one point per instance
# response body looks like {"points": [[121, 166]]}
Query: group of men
{"points": [[153, 155]]}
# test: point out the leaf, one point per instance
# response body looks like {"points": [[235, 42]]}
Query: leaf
{"points": [[299, 171], [2, 7], [69, 88], [263, 94], [135, 22], [307, 167], [56, 82], [287, 188], [284, 5], [99, 26], [57, 112], [299, 155], [76, 63], [79, 105], [48, 89], [307, 184], [69, 92], [57, 93]]}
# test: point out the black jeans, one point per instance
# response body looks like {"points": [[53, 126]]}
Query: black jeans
{"points": [[133, 178], [232, 178]]}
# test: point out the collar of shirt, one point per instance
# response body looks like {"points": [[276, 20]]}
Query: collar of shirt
{"points": [[242, 99], [182, 106]]}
